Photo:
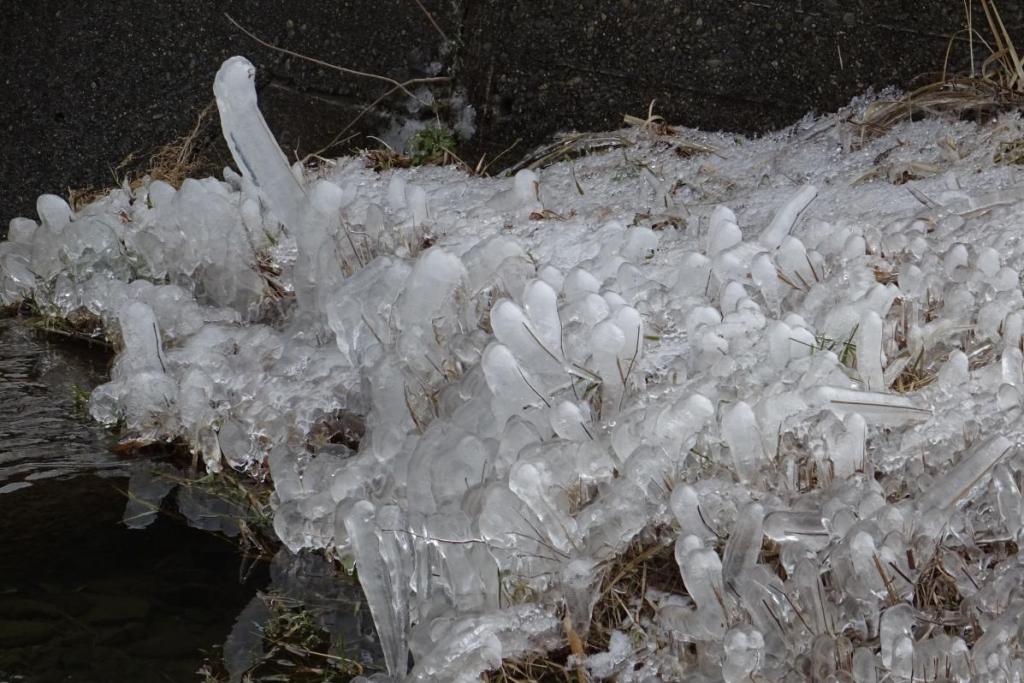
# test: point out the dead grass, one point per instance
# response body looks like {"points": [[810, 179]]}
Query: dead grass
{"points": [[80, 325], [957, 97], [648, 564], [386, 159], [622, 604], [935, 590], [568, 147], [83, 196], [996, 85], [186, 157], [296, 647], [549, 668], [915, 376], [920, 370], [1010, 152]]}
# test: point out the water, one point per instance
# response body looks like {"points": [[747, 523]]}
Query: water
{"points": [[82, 597], [40, 436]]}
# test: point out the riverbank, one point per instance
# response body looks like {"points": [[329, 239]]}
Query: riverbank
{"points": [[120, 565], [754, 354]]}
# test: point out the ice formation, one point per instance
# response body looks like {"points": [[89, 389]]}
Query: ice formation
{"points": [[807, 395]]}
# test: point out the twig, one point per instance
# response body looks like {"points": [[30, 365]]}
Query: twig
{"points": [[532, 388], [483, 171], [396, 85], [886, 580], [318, 62], [433, 22], [369, 107], [159, 357]]}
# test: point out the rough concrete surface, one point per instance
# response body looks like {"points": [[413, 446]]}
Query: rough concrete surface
{"points": [[87, 83]]}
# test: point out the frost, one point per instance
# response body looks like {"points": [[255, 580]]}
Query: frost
{"points": [[809, 397]]}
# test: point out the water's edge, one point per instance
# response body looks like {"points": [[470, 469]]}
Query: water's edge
{"points": [[83, 597]]}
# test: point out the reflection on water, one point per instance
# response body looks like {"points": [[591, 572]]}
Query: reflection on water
{"points": [[90, 591], [82, 596], [39, 435]]}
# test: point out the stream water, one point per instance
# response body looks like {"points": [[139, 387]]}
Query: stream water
{"points": [[83, 597]]}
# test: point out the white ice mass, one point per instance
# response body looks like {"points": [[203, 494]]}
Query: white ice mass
{"points": [[805, 387]]}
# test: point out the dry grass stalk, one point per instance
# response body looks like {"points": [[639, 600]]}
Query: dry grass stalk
{"points": [[886, 277], [808, 475], [1010, 152], [80, 197], [571, 146], [533, 669], [916, 375], [1003, 66], [998, 86], [80, 325], [621, 606], [182, 158], [396, 86], [575, 647], [958, 97], [385, 159], [172, 163], [936, 593], [654, 123]]}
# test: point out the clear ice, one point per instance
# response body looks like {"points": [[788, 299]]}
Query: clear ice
{"points": [[806, 398]]}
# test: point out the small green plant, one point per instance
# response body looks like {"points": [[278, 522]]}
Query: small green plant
{"points": [[845, 350], [432, 145], [80, 398]]}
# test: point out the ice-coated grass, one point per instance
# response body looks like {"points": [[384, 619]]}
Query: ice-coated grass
{"points": [[665, 405]]}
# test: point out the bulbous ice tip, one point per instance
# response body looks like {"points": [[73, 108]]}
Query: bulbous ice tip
{"points": [[53, 211], [235, 78], [527, 185]]}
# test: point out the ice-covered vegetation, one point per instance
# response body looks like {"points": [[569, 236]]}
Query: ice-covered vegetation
{"points": [[790, 367]]}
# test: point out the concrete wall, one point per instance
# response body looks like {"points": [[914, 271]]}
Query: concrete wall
{"points": [[88, 82]]}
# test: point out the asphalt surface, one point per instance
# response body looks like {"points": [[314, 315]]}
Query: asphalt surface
{"points": [[86, 84]]}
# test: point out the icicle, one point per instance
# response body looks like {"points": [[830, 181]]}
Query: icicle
{"points": [[864, 666], [744, 544], [874, 406], [702, 573], [965, 475], [685, 506], [781, 225], [869, 351], [569, 422], [380, 577], [252, 145], [849, 453], [541, 303], [510, 383], [739, 429], [723, 233], [766, 277], [802, 526]]}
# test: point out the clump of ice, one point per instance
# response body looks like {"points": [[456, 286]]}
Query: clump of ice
{"points": [[810, 390]]}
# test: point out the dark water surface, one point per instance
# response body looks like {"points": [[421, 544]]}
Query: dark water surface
{"points": [[43, 432], [82, 597]]}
